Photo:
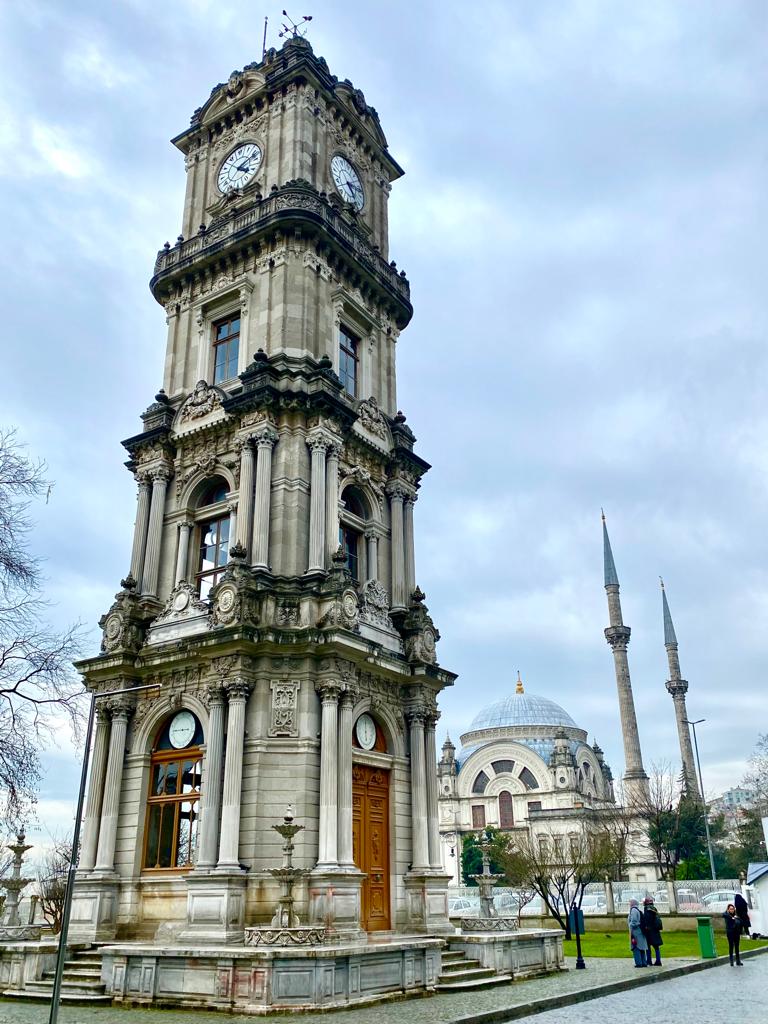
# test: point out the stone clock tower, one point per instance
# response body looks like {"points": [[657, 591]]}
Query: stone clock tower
{"points": [[272, 597]]}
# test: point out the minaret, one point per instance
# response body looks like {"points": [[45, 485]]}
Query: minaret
{"points": [[678, 687], [617, 635]]}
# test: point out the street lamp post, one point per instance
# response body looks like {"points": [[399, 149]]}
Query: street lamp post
{"points": [[62, 950], [701, 790]]}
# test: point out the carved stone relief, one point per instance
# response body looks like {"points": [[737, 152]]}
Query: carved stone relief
{"points": [[284, 710]]}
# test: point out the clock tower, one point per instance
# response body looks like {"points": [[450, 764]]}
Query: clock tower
{"points": [[271, 600]]}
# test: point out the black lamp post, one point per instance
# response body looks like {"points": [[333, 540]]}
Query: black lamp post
{"points": [[580, 965]]}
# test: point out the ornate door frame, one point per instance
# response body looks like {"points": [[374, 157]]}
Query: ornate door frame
{"points": [[374, 772]]}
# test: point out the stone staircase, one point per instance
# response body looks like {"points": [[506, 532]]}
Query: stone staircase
{"points": [[80, 984], [459, 974]]}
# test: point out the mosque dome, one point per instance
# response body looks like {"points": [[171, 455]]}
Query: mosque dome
{"points": [[521, 709]]}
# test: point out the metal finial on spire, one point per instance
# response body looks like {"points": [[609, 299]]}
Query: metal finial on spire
{"points": [[609, 566], [669, 629], [519, 688]]}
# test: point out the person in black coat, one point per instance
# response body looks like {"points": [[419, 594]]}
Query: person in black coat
{"points": [[742, 912], [733, 932], [652, 926]]}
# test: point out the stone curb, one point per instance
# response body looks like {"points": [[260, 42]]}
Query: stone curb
{"points": [[501, 1016]]}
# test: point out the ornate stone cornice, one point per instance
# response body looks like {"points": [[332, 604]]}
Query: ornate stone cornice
{"points": [[677, 687], [618, 637], [237, 689]]}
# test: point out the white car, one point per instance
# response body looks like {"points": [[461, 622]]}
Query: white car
{"points": [[593, 903], [460, 906], [717, 902]]}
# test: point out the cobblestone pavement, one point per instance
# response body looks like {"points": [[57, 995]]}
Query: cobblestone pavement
{"points": [[448, 1007], [708, 997]]}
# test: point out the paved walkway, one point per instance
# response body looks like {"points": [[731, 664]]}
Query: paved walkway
{"points": [[708, 997], [439, 1009]]}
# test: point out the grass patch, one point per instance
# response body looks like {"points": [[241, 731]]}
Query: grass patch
{"points": [[616, 944]]}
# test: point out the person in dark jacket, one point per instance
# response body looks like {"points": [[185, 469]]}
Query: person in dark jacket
{"points": [[742, 912], [652, 926], [733, 932], [637, 942]]}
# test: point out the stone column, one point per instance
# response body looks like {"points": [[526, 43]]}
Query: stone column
{"points": [[229, 843], [418, 795], [328, 824], [245, 517], [140, 529], [610, 906], [678, 689], [92, 816], [344, 775], [182, 557], [265, 441], [214, 756], [408, 544], [317, 444], [635, 779], [332, 501], [160, 479], [396, 497], [110, 808], [232, 509], [430, 754], [372, 550]]}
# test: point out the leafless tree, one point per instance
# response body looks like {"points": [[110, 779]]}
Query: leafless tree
{"points": [[52, 881], [558, 867], [39, 691], [756, 778]]}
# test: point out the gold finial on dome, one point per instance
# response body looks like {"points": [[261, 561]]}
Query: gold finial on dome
{"points": [[519, 687]]}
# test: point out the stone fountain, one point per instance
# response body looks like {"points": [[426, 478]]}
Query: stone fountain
{"points": [[11, 928], [285, 928], [488, 920]]}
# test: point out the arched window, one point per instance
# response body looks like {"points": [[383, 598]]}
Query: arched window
{"points": [[481, 781], [528, 779], [502, 767], [352, 520], [506, 812], [213, 533], [174, 794]]}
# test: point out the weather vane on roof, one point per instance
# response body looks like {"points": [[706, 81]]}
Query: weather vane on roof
{"points": [[294, 29]]}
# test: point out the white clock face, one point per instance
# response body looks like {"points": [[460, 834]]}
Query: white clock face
{"points": [[347, 181], [182, 729], [239, 167], [366, 732]]}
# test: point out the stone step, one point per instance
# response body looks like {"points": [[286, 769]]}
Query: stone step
{"points": [[452, 955], [466, 986], [470, 974], [67, 998], [75, 973], [93, 962], [458, 965], [84, 986]]}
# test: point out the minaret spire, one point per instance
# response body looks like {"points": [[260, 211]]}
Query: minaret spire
{"points": [[617, 635], [678, 687]]}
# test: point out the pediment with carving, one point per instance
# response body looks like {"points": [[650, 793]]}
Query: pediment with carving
{"points": [[201, 406], [229, 95], [372, 423]]}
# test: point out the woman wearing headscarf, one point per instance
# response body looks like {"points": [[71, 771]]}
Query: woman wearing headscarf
{"points": [[652, 926], [637, 940], [733, 933]]}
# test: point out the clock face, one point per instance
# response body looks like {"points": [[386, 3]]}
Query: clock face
{"points": [[182, 729], [347, 181], [366, 732], [239, 167]]}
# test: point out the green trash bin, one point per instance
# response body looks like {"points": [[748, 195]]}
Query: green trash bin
{"points": [[706, 938]]}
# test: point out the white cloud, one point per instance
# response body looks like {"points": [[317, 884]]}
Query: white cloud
{"points": [[89, 64], [56, 152]]}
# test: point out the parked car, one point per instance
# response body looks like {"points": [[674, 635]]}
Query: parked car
{"points": [[593, 903], [506, 903], [716, 902], [632, 894], [460, 906], [688, 901], [661, 896]]}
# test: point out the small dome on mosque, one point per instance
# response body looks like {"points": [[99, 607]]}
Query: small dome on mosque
{"points": [[519, 709]]}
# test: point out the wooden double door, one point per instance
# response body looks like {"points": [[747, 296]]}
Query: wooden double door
{"points": [[370, 843]]}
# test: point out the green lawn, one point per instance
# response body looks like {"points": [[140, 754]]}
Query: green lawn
{"points": [[616, 944]]}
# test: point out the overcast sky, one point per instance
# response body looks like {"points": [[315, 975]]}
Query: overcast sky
{"points": [[583, 222]]}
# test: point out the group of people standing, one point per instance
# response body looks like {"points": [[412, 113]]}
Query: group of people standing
{"points": [[645, 927]]}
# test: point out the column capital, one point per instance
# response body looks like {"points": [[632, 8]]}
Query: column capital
{"points": [[185, 524], [397, 490], [416, 715], [431, 718], [411, 498], [237, 689], [335, 448], [328, 690], [232, 505], [348, 696], [121, 707], [214, 694], [319, 439], [159, 473], [143, 479], [265, 437]]}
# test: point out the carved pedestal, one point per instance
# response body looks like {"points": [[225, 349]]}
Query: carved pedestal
{"points": [[426, 900], [334, 902], [94, 910], [215, 908]]}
